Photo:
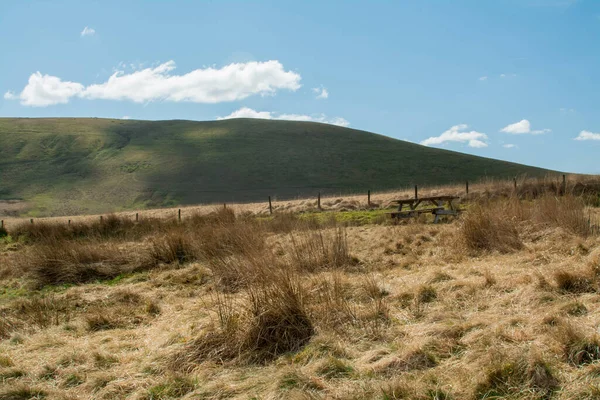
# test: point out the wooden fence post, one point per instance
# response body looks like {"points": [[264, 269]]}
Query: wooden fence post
{"points": [[69, 222], [515, 182], [2, 224], [564, 185], [369, 198], [319, 200], [101, 219], [136, 217], [31, 220], [179, 215], [467, 187], [270, 206], [224, 206], [416, 192]]}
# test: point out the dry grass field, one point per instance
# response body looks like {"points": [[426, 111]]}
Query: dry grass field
{"points": [[502, 302]]}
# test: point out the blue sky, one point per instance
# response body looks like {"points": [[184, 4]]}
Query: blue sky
{"points": [[513, 80]]}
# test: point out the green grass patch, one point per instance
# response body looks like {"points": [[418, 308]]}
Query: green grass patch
{"points": [[92, 165]]}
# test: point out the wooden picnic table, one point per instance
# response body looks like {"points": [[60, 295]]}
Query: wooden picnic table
{"points": [[436, 205]]}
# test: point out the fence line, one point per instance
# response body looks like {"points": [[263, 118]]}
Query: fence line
{"points": [[558, 185]]}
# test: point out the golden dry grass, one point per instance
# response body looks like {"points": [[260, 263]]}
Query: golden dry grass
{"points": [[220, 306]]}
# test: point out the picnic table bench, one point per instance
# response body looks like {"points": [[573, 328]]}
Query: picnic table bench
{"points": [[436, 205]]}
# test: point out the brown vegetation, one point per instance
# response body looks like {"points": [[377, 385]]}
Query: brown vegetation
{"points": [[499, 303]]}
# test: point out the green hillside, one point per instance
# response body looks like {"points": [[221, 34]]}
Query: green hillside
{"points": [[76, 165]]}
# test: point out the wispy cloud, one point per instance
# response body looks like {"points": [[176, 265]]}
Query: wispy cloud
{"points": [[87, 31], [565, 110], [523, 127], [321, 92], [483, 78], [208, 85], [587, 135], [508, 75], [456, 134], [246, 112], [509, 146]]}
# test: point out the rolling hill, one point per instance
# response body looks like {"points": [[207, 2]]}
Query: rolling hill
{"points": [[87, 165]]}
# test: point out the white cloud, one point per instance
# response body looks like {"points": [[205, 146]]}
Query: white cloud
{"points": [[321, 92], [454, 134], [587, 135], [126, 117], [10, 95], [523, 127], [207, 85], [483, 78], [246, 112], [45, 90], [508, 75], [88, 31], [509, 146]]}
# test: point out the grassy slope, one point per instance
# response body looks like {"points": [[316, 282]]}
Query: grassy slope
{"points": [[74, 165]]}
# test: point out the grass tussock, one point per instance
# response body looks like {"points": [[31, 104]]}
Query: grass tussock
{"points": [[567, 212], [43, 311], [317, 250], [578, 348], [175, 246], [222, 240], [577, 282], [518, 377], [490, 227], [111, 226], [75, 262], [22, 392], [497, 225], [272, 320]]}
